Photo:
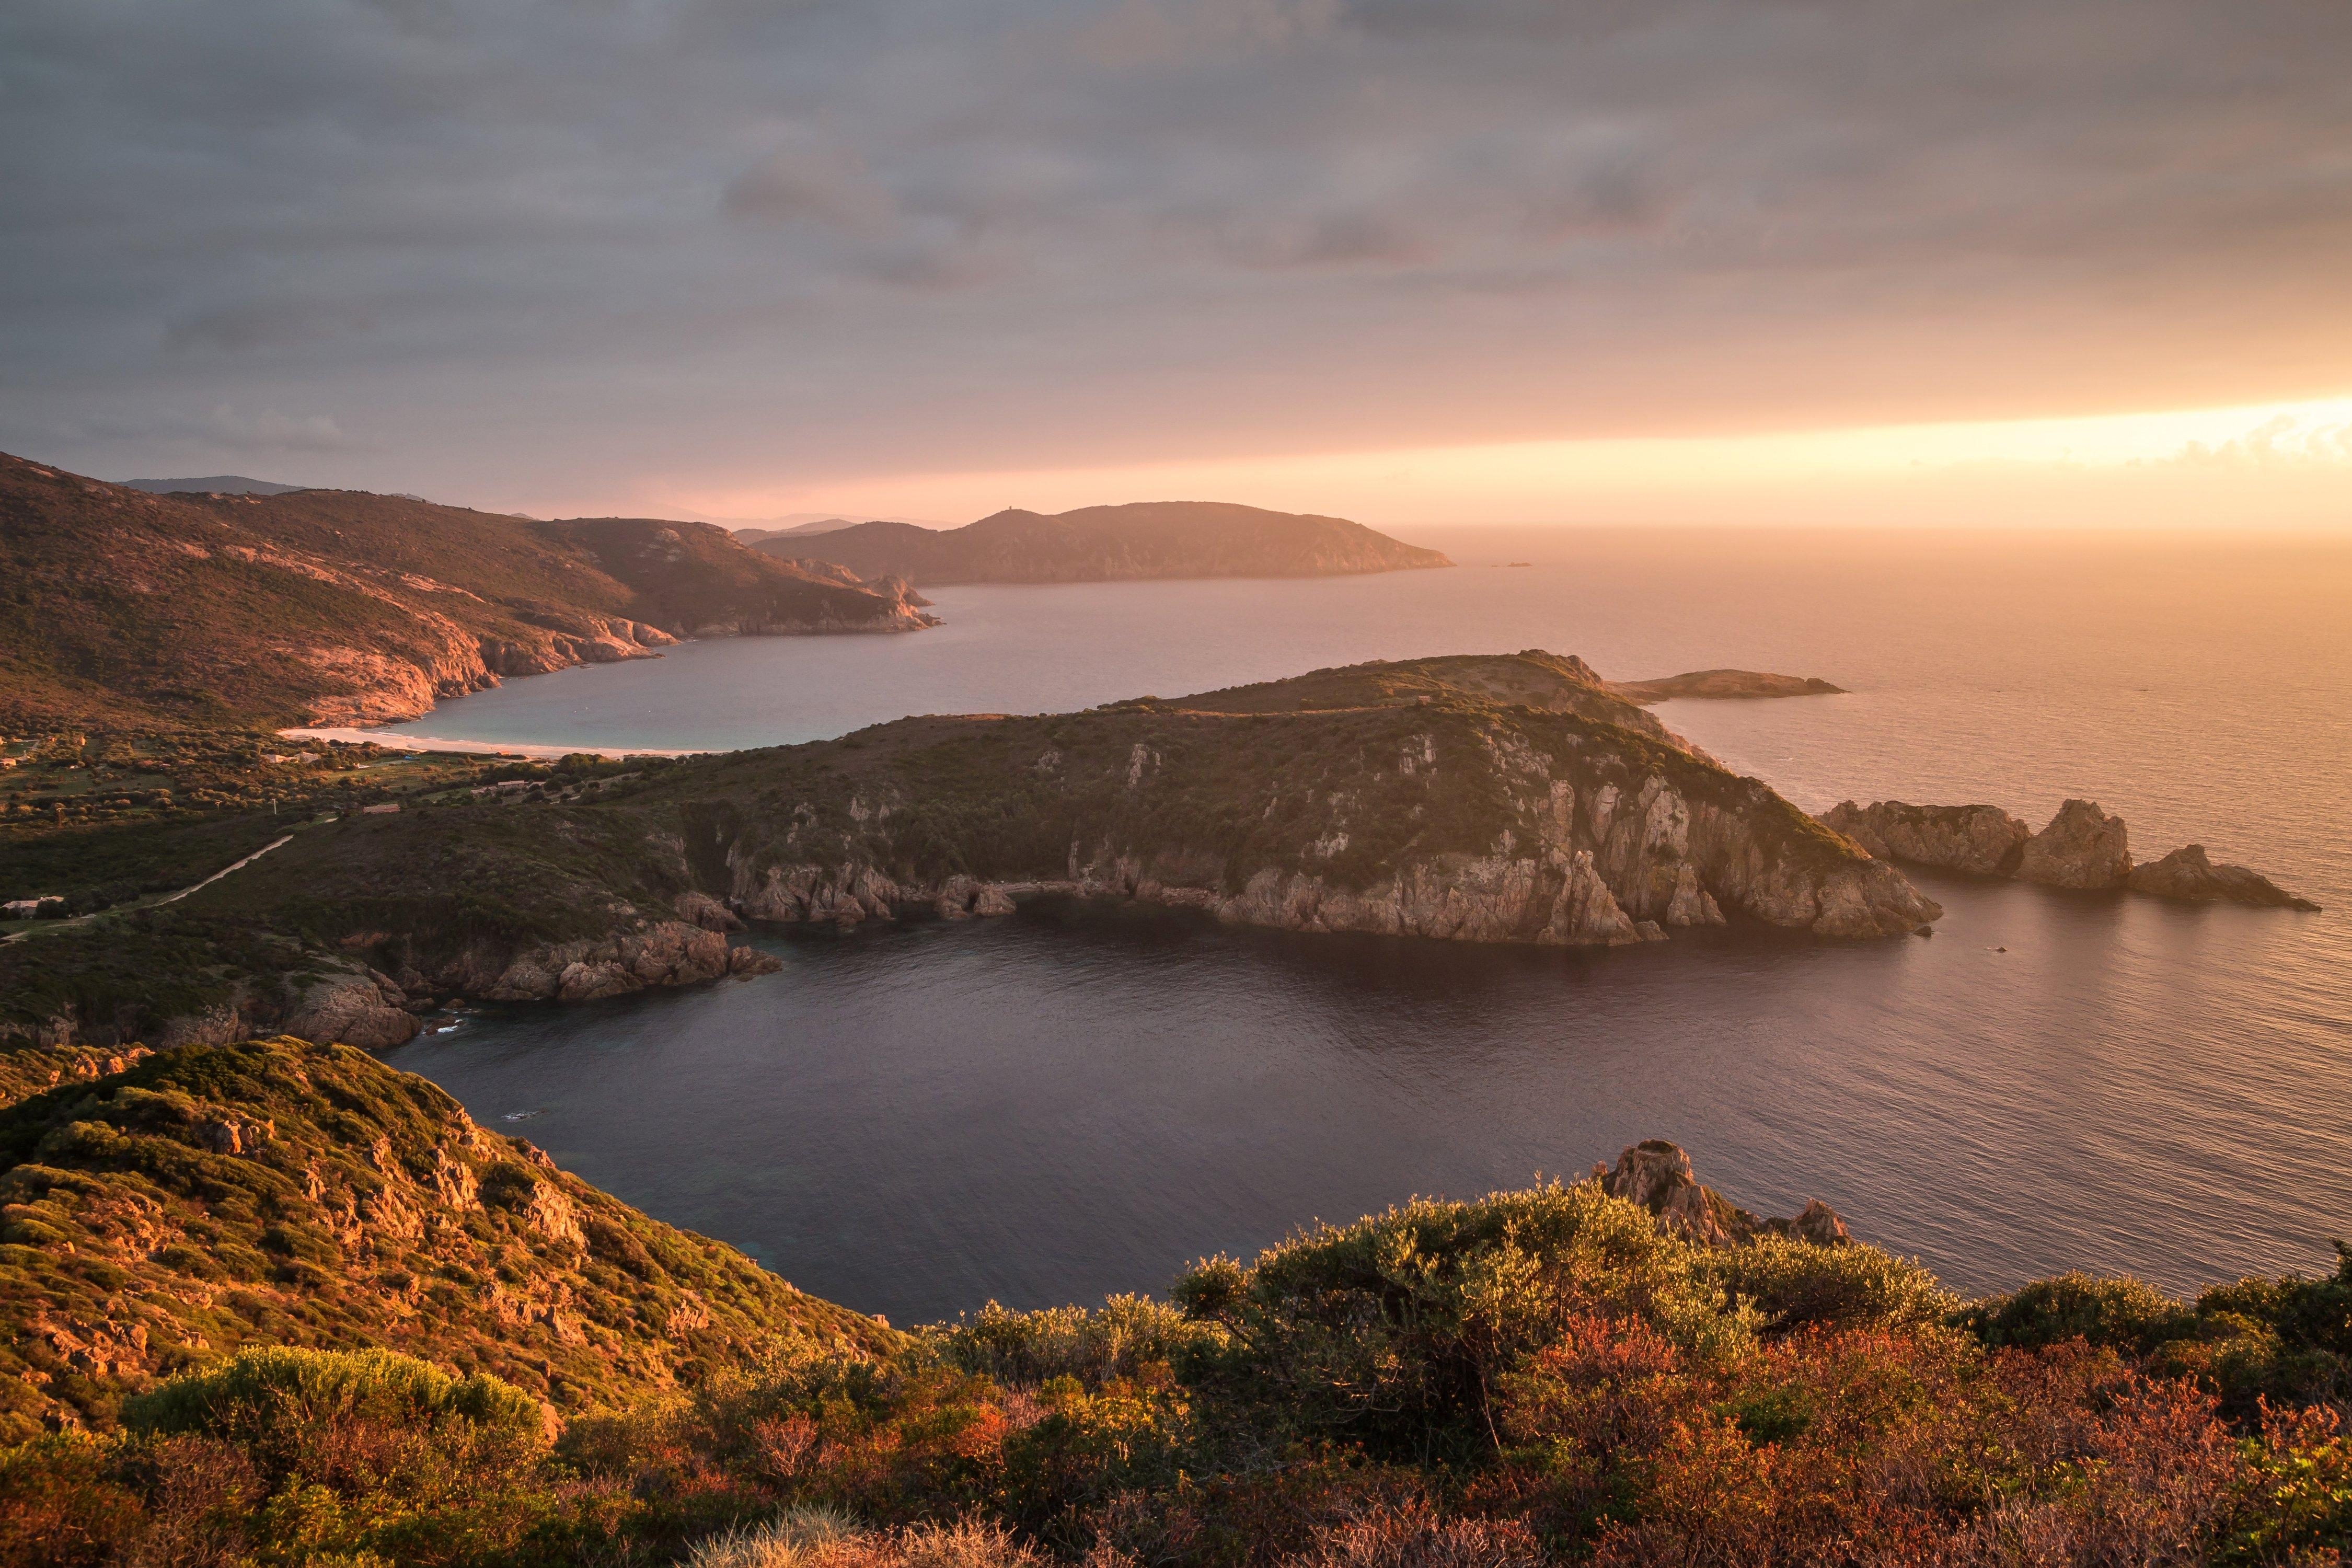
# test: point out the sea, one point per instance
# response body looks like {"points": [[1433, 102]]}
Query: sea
{"points": [[918, 1118]]}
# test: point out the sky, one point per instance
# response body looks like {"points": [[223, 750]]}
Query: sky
{"points": [[2038, 262]]}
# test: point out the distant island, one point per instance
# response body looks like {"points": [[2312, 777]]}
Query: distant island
{"points": [[1103, 544], [273, 605], [1720, 684]]}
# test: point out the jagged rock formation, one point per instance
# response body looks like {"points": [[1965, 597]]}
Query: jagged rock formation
{"points": [[337, 607], [278, 1192], [1097, 543], [2187, 874], [1427, 798], [667, 952], [2082, 848], [1656, 1175], [1723, 684], [1982, 840]]}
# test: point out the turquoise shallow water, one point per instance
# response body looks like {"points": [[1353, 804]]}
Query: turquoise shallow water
{"points": [[1079, 1099]]}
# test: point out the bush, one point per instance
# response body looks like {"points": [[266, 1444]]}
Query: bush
{"points": [[1795, 1284], [2124, 1313], [1021, 1349], [273, 1399]]}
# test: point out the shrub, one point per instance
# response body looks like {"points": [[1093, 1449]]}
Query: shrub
{"points": [[2121, 1312], [1794, 1283], [1021, 1349]]}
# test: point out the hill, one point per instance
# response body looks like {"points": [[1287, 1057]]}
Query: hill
{"points": [[282, 1193], [1482, 798], [213, 484], [1145, 538], [307, 1312], [332, 606]]}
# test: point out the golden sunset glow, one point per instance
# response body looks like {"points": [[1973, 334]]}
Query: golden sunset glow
{"points": [[2276, 465]]}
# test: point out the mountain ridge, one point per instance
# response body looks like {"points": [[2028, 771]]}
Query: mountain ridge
{"points": [[1134, 540], [336, 606]]}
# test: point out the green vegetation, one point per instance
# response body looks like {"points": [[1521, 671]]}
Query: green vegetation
{"points": [[1537, 1377], [216, 1197], [1353, 777]]}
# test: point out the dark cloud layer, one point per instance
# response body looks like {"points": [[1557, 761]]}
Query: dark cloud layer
{"points": [[548, 246]]}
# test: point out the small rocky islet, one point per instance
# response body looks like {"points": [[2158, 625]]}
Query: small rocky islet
{"points": [[2082, 848]]}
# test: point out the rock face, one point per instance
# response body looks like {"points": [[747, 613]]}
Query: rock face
{"points": [[666, 953], [2189, 875], [2083, 847], [1466, 799], [362, 1010], [1656, 1175], [1982, 840]]}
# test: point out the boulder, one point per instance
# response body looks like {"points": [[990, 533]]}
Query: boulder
{"points": [[2189, 874], [2082, 848]]}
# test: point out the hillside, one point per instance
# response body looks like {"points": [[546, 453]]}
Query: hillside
{"points": [[289, 1306], [292, 1194], [1481, 798], [1145, 538], [333, 607]]}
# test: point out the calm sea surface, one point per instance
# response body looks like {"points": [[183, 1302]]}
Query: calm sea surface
{"points": [[1079, 1099]]}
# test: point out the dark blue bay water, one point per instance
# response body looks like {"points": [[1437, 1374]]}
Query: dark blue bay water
{"points": [[1079, 1099]]}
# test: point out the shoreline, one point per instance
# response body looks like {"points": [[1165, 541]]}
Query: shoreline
{"points": [[535, 751]]}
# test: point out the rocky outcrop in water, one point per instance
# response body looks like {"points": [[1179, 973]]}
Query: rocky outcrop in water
{"points": [[2083, 847], [666, 953], [1982, 840], [1656, 1175], [2189, 875]]}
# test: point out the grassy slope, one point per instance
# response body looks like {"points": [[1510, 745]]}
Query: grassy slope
{"points": [[360, 1206], [121, 607]]}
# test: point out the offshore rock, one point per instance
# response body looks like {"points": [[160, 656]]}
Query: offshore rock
{"points": [[1982, 840], [2082, 848], [1656, 1175], [2189, 875]]}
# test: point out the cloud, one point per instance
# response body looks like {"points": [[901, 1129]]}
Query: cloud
{"points": [[564, 245], [270, 431]]}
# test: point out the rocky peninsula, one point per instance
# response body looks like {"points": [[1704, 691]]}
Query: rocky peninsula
{"points": [[1508, 798], [2081, 847]]}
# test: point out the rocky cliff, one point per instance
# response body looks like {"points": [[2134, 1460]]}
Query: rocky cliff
{"points": [[335, 608], [2081, 847], [1150, 539], [1404, 799]]}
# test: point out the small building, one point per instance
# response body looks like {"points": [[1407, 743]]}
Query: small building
{"points": [[386, 808]]}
